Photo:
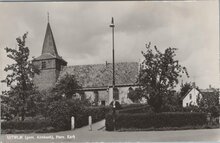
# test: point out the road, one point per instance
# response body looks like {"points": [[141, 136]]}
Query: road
{"points": [[97, 135]]}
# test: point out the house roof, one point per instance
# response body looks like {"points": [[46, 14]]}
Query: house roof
{"points": [[186, 94], [100, 75]]}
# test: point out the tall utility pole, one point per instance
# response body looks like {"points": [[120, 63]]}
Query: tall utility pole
{"points": [[112, 25]]}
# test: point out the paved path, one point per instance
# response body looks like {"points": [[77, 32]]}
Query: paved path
{"points": [[99, 126], [96, 135]]}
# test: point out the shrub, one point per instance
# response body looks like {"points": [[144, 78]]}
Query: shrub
{"points": [[109, 122], [171, 108], [129, 106], [156, 120], [140, 109], [24, 125], [60, 113]]}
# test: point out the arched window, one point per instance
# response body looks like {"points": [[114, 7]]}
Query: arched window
{"points": [[115, 93], [130, 89], [96, 98]]}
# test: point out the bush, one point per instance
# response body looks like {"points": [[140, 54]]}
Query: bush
{"points": [[109, 126], [156, 120], [130, 106], [24, 125], [138, 109], [60, 114], [171, 108]]}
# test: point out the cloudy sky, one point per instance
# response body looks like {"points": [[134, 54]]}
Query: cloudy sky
{"points": [[83, 36]]}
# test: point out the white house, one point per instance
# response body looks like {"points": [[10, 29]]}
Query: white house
{"points": [[194, 95], [191, 97]]}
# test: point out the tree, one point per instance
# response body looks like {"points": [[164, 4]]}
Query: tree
{"points": [[159, 75], [20, 98], [209, 102], [67, 86]]}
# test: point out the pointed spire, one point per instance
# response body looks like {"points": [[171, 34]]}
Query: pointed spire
{"points": [[49, 45]]}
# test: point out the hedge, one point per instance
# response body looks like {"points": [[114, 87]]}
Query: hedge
{"points": [[156, 120], [24, 125], [130, 106], [60, 114], [138, 109]]}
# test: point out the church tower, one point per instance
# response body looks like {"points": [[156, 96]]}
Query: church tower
{"points": [[49, 63]]}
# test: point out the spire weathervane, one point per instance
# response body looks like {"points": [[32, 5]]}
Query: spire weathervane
{"points": [[112, 24]]}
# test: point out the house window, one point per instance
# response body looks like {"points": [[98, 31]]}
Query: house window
{"points": [[190, 96], [43, 66]]}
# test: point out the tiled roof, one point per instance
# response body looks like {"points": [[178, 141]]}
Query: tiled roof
{"points": [[100, 75]]}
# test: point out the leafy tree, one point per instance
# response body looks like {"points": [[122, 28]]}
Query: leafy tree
{"points": [[135, 95], [65, 91], [172, 102], [7, 112], [61, 111], [159, 75], [209, 102], [67, 87], [20, 98]]}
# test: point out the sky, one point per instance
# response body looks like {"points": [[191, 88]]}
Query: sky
{"points": [[83, 36]]}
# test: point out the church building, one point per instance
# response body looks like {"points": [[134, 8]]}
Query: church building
{"points": [[96, 79]]}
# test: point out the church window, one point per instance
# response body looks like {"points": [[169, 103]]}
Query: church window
{"points": [[43, 66], [130, 89], [96, 100], [115, 93]]}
